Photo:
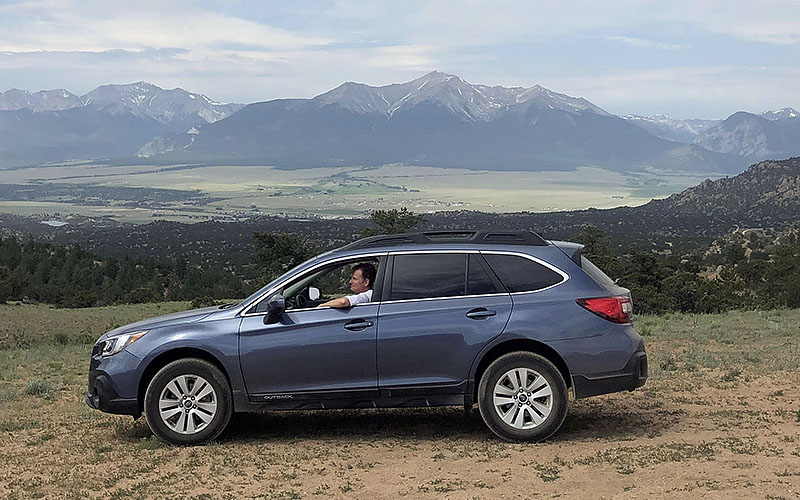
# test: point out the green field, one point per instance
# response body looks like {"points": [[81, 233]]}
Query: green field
{"points": [[719, 418], [240, 191]]}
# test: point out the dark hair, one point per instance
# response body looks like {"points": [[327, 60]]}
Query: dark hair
{"points": [[367, 271]]}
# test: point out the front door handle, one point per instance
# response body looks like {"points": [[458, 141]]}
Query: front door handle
{"points": [[357, 325], [480, 313]]}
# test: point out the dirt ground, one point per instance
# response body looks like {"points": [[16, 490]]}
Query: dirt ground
{"points": [[692, 432], [729, 442]]}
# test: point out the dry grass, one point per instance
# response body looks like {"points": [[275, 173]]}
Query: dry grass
{"points": [[718, 419]]}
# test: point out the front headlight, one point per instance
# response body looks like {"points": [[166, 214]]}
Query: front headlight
{"points": [[115, 344]]}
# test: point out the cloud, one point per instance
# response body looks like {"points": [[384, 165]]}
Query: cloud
{"points": [[708, 92], [449, 23], [254, 50], [641, 42], [54, 26]]}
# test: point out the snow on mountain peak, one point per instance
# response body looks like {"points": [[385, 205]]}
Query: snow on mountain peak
{"points": [[780, 114], [471, 102], [165, 105], [43, 100]]}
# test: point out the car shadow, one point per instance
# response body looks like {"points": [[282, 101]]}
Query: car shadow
{"points": [[590, 420], [617, 418]]}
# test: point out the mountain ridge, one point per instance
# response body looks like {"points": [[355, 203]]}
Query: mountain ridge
{"points": [[140, 98], [755, 136], [440, 120], [482, 101], [109, 121]]}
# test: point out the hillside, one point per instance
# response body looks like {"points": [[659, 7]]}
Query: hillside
{"points": [[775, 134], [767, 194]]}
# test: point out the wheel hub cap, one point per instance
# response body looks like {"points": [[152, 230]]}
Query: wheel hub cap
{"points": [[187, 404], [523, 398]]}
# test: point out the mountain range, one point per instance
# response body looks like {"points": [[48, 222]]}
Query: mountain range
{"points": [[109, 121], [438, 120], [772, 134]]}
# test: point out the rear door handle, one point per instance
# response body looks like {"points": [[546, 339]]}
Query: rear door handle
{"points": [[357, 325], [480, 313]]}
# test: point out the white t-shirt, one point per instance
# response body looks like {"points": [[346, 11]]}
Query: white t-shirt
{"points": [[361, 298]]}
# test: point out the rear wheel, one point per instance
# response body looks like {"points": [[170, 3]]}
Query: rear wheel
{"points": [[522, 397], [188, 402]]}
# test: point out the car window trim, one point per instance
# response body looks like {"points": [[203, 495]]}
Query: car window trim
{"points": [[247, 309], [489, 272], [392, 255], [388, 276], [564, 276], [389, 272], [305, 309], [447, 297]]}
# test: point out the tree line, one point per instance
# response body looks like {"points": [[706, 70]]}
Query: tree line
{"points": [[72, 277], [740, 271]]}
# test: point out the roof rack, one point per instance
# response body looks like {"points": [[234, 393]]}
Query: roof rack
{"points": [[455, 236]]}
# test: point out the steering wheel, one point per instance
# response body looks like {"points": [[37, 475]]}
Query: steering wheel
{"points": [[300, 301]]}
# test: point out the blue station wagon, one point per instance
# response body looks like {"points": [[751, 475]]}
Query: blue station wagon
{"points": [[503, 319]]}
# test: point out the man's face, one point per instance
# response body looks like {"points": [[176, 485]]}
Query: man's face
{"points": [[358, 283]]}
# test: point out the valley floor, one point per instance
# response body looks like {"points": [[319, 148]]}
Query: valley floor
{"points": [[191, 193]]}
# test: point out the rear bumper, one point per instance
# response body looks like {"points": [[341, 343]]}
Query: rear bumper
{"points": [[102, 395], [634, 375]]}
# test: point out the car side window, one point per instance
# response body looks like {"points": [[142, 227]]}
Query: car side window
{"points": [[422, 276], [478, 280], [520, 274], [318, 286]]}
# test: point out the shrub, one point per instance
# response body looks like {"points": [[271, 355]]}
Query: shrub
{"points": [[198, 302], [38, 388]]}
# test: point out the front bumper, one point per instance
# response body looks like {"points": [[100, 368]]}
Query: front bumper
{"points": [[112, 383], [102, 395], [634, 375]]}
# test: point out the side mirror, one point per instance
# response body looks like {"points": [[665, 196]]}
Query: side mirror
{"points": [[314, 293], [275, 307]]}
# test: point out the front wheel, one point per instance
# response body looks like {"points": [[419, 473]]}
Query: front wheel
{"points": [[188, 402], [522, 397]]}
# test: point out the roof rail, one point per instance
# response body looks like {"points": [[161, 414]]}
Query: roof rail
{"points": [[454, 236]]}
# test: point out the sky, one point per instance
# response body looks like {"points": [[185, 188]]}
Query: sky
{"points": [[686, 59]]}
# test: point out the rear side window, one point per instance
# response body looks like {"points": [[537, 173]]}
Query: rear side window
{"points": [[519, 274], [595, 273], [422, 276], [478, 281]]}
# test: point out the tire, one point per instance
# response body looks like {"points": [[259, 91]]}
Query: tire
{"points": [[188, 402], [522, 416]]}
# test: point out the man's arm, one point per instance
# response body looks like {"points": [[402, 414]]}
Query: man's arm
{"points": [[337, 303]]}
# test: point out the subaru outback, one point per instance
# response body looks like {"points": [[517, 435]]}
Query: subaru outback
{"points": [[506, 320]]}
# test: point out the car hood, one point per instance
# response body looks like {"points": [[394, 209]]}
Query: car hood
{"points": [[165, 320]]}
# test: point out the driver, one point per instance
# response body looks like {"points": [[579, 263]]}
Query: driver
{"points": [[360, 283]]}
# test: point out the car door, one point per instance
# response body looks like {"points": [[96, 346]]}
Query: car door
{"points": [[310, 351], [439, 310]]}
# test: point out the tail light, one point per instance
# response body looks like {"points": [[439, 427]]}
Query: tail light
{"points": [[615, 309]]}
